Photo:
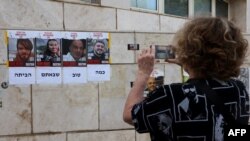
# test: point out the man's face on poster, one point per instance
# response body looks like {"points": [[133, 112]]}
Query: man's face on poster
{"points": [[77, 49], [24, 53], [99, 48]]}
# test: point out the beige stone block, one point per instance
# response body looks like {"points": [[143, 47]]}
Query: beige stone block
{"points": [[119, 50], [55, 137], [65, 107], [238, 13], [15, 109], [173, 73], [3, 48], [143, 137], [123, 135], [113, 95], [89, 18], [171, 24], [35, 14], [147, 39], [137, 21], [124, 4], [248, 16]]}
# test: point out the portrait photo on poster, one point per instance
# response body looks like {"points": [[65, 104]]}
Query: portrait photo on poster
{"points": [[21, 52], [164, 52], [74, 52], [98, 51], [48, 52]]}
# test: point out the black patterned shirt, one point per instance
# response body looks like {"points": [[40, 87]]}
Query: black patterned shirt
{"points": [[181, 111]]}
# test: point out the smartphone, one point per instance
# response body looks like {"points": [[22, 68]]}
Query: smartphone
{"points": [[164, 52]]}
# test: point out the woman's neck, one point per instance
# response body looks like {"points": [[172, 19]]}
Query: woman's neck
{"points": [[193, 74]]}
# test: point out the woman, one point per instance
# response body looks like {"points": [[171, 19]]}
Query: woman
{"points": [[52, 52], [211, 50]]}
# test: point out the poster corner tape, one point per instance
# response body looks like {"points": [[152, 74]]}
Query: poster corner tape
{"points": [[109, 42], [7, 63], [5, 37]]}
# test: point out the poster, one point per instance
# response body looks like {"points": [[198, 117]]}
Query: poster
{"points": [[21, 75], [57, 57], [48, 52], [21, 52], [21, 56], [74, 52], [98, 48], [48, 75], [75, 75], [97, 73], [48, 49], [74, 49]]}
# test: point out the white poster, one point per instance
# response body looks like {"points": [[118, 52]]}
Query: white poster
{"points": [[97, 35], [21, 75], [55, 57], [20, 34], [73, 75], [48, 75], [98, 73], [74, 35], [50, 34]]}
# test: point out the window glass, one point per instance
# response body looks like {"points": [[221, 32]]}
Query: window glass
{"points": [[91, 1], [221, 9], [202, 7], [145, 4], [176, 7]]}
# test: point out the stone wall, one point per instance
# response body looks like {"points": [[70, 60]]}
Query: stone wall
{"points": [[80, 112]]}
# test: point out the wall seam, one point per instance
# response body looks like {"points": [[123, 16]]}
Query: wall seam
{"points": [[159, 22], [31, 108], [63, 7], [116, 17], [99, 119]]}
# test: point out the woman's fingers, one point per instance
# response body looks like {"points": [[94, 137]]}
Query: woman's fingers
{"points": [[147, 56], [146, 60]]}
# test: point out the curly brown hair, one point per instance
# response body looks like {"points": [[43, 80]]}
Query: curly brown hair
{"points": [[211, 46]]}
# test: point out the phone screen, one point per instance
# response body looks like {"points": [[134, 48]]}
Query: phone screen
{"points": [[164, 52]]}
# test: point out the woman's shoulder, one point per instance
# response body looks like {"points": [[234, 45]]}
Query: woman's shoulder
{"points": [[165, 90], [238, 82]]}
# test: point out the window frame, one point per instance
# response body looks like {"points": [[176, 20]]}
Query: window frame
{"points": [[163, 10], [160, 9]]}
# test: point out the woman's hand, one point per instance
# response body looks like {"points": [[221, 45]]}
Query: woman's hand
{"points": [[146, 61], [145, 64]]}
